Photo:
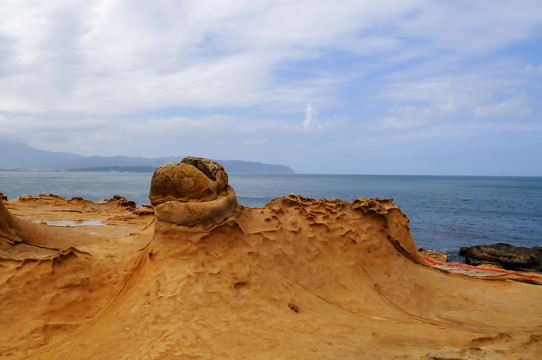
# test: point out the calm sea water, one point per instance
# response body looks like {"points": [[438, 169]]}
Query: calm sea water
{"points": [[445, 212]]}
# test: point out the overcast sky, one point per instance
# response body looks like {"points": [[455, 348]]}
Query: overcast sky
{"points": [[364, 87]]}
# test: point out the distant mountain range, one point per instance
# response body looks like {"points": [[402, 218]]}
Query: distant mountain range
{"points": [[19, 156]]}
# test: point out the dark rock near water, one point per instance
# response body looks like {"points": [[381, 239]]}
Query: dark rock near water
{"points": [[504, 255]]}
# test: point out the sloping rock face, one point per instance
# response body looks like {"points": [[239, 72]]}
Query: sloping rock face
{"points": [[194, 191], [7, 226], [505, 255], [54, 279], [15, 231]]}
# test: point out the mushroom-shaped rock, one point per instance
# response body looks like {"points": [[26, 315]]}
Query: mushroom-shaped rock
{"points": [[194, 191]]}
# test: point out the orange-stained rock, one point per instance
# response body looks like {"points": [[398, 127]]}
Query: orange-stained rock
{"points": [[435, 255]]}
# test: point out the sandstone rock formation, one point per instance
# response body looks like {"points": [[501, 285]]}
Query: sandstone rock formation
{"points": [[117, 202], [299, 278], [504, 255], [53, 279], [14, 231], [7, 226], [433, 254], [194, 191]]}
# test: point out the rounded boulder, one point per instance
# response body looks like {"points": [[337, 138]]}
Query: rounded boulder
{"points": [[194, 191]]}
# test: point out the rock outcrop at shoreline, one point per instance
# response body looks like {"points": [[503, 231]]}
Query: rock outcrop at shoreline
{"points": [[505, 255], [298, 278]]}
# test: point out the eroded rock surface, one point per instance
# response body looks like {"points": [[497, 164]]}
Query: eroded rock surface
{"points": [[7, 228], [298, 278], [434, 254], [194, 191]]}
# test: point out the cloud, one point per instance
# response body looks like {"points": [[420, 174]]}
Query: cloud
{"points": [[517, 106], [400, 118], [212, 135], [432, 94], [117, 57], [310, 122], [531, 69]]}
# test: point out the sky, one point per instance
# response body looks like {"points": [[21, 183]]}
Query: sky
{"points": [[347, 87]]}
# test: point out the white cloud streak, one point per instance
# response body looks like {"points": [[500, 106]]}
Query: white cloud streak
{"points": [[310, 121], [120, 57]]}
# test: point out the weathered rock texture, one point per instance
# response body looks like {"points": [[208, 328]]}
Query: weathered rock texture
{"points": [[54, 279], [433, 254], [504, 255], [299, 278], [194, 191], [14, 231], [7, 228]]}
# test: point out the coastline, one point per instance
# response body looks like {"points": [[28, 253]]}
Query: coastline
{"points": [[446, 213], [92, 234]]}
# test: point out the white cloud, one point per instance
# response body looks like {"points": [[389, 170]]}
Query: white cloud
{"points": [[405, 117], [180, 127], [120, 57], [516, 106], [445, 93], [114, 57], [214, 134], [425, 96], [310, 118], [311, 122], [471, 27]]}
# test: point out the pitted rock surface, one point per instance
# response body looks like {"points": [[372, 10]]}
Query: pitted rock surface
{"points": [[193, 179], [194, 191], [213, 170]]}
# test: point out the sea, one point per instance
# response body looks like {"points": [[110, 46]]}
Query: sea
{"points": [[445, 212]]}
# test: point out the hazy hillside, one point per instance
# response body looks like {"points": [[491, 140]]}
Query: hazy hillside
{"points": [[19, 156], [22, 156]]}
